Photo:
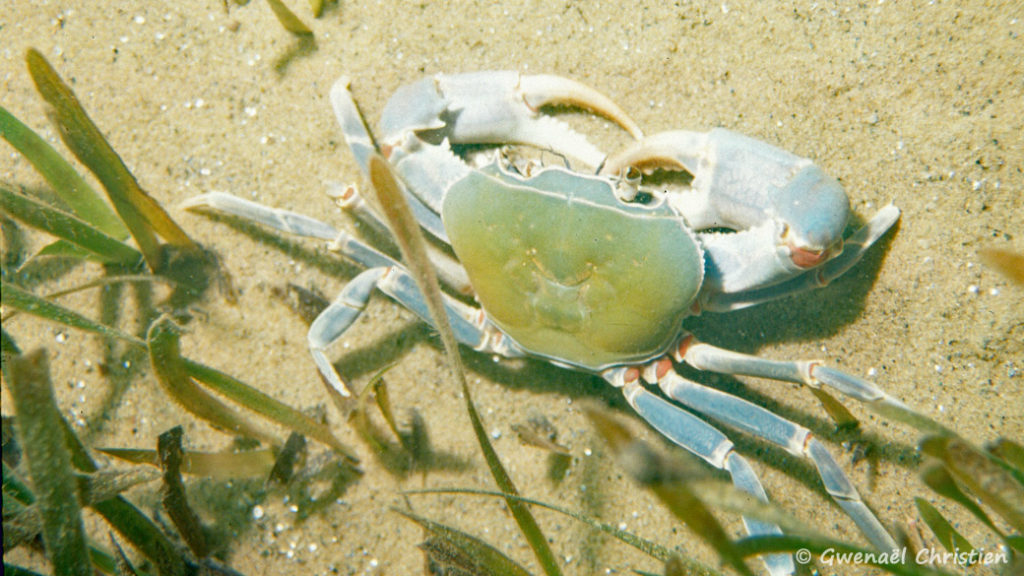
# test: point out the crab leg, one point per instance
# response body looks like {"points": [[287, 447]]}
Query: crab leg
{"points": [[425, 168], [292, 223], [350, 200], [706, 442], [468, 324], [342, 242], [740, 182], [794, 438], [499, 107], [811, 373], [704, 356], [283, 220], [448, 269]]}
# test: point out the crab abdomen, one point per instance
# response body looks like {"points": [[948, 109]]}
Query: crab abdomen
{"points": [[570, 273]]}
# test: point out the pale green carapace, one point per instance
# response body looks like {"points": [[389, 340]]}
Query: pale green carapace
{"points": [[569, 272]]}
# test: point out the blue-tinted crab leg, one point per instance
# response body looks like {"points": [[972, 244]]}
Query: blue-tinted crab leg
{"points": [[481, 108], [811, 373], [283, 220], [353, 202], [854, 249], [291, 223], [426, 169], [794, 438], [468, 323], [493, 108], [449, 270], [704, 441], [740, 182], [342, 242]]}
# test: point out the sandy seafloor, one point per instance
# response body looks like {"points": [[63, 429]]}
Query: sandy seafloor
{"points": [[920, 104]]}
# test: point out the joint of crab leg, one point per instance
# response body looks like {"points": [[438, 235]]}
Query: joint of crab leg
{"points": [[498, 343], [849, 384], [806, 369], [657, 369], [622, 376], [544, 89], [336, 319], [492, 340], [843, 492], [343, 196], [685, 341]]}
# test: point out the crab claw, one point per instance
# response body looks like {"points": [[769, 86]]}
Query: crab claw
{"points": [[784, 208], [814, 209], [498, 108], [546, 89]]}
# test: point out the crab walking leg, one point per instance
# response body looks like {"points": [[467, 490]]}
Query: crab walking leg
{"points": [[468, 323], [811, 373], [706, 442], [342, 242], [794, 438], [853, 251], [448, 269], [427, 170], [704, 356], [291, 223], [283, 220], [350, 200]]}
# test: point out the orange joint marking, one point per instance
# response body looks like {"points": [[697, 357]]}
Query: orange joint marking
{"points": [[385, 150], [631, 375], [821, 279], [663, 367], [684, 344], [807, 441], [805, 258], [808, 374]]}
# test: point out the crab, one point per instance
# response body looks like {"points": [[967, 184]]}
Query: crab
{"points": [[589, 264]]}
